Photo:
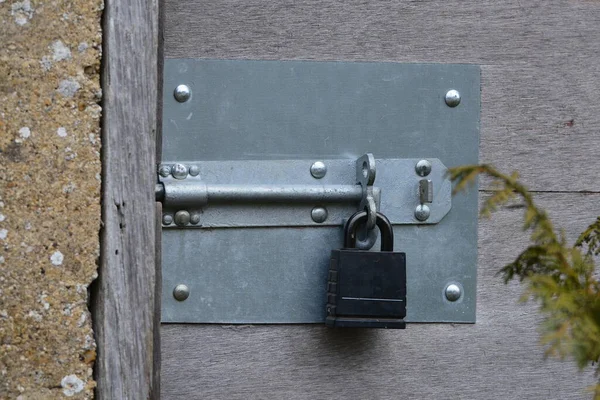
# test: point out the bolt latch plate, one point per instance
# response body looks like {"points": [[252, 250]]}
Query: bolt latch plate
{"points": [[267, 129], [276, 193]]}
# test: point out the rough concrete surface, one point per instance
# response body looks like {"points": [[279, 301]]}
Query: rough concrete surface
{"points": [[49, 195]]}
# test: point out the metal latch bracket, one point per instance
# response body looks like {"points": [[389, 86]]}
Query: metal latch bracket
{"points": [[225, 194]]}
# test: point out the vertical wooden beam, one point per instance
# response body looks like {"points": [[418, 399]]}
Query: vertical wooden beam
{"points": [[125, 315]]}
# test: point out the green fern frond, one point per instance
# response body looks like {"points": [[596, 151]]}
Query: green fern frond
{"points": [[591, 238], [558, 276]]}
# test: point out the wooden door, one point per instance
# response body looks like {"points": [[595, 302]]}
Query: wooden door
{"points": [[540, 115]]}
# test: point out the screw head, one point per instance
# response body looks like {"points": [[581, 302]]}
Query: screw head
{"points": [[318, 169], [452, 98], [167, 219], [319, 214], [422, 212], [181, 292], [195, 219], [423, 167], [182, 93], [179, 171], [182, 218], [453, 292], [194, 170], [165, 170]]}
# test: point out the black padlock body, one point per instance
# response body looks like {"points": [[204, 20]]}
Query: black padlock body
{"points": [[366, 289], [370, 284]]}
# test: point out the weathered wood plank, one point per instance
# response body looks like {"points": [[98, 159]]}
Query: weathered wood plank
{"points": [[540, 72], [540, 62], [496, 358], [124, 309], [156, 344]]}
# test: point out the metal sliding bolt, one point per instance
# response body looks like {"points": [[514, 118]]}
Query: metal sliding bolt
{"points": [[318, 169], [452, 98], [181, 292], [453, 292], [182, 93], [319, 214]]}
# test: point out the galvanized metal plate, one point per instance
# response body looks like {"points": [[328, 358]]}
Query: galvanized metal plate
{"points": [[397, 181], [298, 110]]}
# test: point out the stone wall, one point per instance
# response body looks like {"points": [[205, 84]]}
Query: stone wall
{"points": [[50, 195]]}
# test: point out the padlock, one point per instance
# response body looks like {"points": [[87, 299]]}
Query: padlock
{"points": [[367, 289]]}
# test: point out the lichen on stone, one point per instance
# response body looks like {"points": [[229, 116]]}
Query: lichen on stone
{"points": [[49, 197], [71, 384], [60, 51], [68, 87], [22, 12], [57, 258]]}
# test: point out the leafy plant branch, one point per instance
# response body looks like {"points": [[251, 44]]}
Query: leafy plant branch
{"points": [[560, 277]]}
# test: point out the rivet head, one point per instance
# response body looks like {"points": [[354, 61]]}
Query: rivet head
{"points": [[179, 171], [194, 170], [182, 93], [318, 169], [181, 292], [453, 292], [422, 212], [423, 167], [452, 98], [182, 218], [319, 214], [195, 219], [167, 219], [165, 170]]}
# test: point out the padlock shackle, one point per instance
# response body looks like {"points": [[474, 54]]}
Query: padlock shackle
{"points": [[384, 224]]}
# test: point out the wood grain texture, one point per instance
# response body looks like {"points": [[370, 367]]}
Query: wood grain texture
{"points": [[540, 62], [540, 74], [124, 309], [496, 358], [156, 345]]}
